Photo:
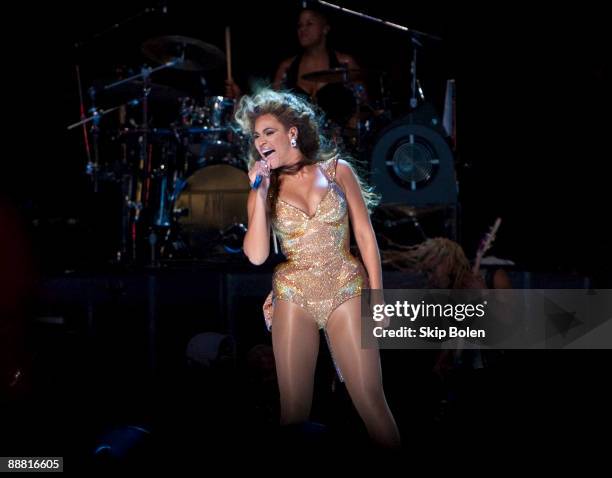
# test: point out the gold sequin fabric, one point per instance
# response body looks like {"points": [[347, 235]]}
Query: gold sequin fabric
{"points": [[320, 273]]}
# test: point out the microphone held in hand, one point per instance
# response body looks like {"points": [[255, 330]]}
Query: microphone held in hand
{"points": [[257, 181], [259, 177]]}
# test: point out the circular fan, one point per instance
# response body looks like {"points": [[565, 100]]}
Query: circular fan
{"points": [[413, 164], [412, 161]]}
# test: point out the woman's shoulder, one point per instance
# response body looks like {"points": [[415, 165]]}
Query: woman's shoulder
{"points": [[343, 168]]}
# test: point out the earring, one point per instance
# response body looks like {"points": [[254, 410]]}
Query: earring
{"points": [[293, 143]]}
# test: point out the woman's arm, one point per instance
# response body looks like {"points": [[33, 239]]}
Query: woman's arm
{"points": [[256, 244], [361, 224]]}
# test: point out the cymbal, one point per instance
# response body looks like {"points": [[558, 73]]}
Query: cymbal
{"points": [[198, 56], [158, 93], [335, 75]]}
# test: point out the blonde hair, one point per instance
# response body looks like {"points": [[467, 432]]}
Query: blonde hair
{"points": [[427, 256]]}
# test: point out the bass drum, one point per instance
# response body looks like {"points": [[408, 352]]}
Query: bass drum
{"points": [[213, 200]]}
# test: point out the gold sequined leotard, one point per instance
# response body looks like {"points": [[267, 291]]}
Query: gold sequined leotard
{"points": [[320, 272]]}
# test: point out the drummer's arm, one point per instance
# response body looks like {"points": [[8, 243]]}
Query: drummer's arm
{"points": [[351, 64], [277, 84]]}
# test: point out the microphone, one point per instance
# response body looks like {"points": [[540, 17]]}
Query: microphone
{"points": [[257, 181]]}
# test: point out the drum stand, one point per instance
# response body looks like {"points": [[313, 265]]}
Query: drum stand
{"points": [[135, 190]]}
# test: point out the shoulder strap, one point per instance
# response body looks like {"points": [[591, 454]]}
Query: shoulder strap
{"points": [[329, 168]]}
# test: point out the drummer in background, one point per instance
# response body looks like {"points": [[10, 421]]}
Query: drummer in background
{"points": [[336, 100]]}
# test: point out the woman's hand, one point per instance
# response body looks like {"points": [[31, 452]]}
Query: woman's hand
{"points": [[260, 168]]}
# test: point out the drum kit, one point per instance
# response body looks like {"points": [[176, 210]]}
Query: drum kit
{"points": [[183, 180], [183, 184]]}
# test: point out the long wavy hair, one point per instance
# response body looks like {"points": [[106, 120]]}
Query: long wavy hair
{"points": [[291, 110], [425, 258]]}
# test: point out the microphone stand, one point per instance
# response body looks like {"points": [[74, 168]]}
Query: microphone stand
{"points": [[380, 21], [92, 168]]}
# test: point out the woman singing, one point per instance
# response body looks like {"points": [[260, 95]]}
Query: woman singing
{"points": [[308, 197]]}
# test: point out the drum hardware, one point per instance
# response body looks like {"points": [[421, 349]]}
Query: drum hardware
{"points": [[157, 167]]}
